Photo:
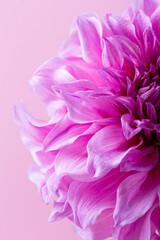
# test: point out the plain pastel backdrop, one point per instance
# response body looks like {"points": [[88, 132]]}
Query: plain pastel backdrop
{"points": [[31, 31]]}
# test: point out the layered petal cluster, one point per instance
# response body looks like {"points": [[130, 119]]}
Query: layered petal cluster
{"points": [[99, 152]]}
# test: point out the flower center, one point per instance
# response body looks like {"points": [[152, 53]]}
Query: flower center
{"points": [[146, 112], [148, 88]]}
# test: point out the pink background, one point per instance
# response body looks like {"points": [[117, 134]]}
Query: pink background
{"points": [[31, 32]]}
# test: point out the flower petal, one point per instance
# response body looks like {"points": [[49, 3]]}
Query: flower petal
{"points": [[148, 6], [90, 33], [61, 207], [143, 157], [106, 149], [128, 126], [156, 219], [135, 196], [155, 19], [71, 160], [100, 230], [88, 200], [141, 22], [139, 230], [37, 129], [121, 26], [64, 133]]}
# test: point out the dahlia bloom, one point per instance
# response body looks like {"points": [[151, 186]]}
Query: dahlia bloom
{"points": [[99, 152]]}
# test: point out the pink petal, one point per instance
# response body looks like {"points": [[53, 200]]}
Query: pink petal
{"points": [[64, 133], [71, 160], [128, 126], [111, 55], [90, 107], [106, 149], [121, 26], [90, 33], [135, 196], [148, 6], [38, 129], [141, 22], [143, 157], [155, 237], [60, 210], [61, 207], [139, 230], [155, 19], [88, 200], [39, 177], [44, 159], [110, 79], [150, 44], [156, 219], [151, 113], [100, 230], [78, 85]]}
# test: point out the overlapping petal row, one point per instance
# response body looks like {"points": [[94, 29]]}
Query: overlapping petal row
{"points": [[99, 152]]}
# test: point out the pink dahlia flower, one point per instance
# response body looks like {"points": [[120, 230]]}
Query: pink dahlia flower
{"points": [[99, 152]]}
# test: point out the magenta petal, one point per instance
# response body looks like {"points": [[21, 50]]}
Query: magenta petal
{"points": [[155, 19], [106, 149], [135, 197], [128, 126], [88, 200], [90, 107], [121, 26], [42, 79], [140, 229], [84, 113], [59, 211], [152, 115], [78, 85], [43, 159], [64, 133], [127, 47], [90, 33], [150, 44], [98, 155], [149, 6], [111, 55], [155, 237], [159, 195], [100, 230], [110, 79], [156, 219], [39, 177], [143, 157], [72, 159], [61, 207], [38, 129], [141, 22]]}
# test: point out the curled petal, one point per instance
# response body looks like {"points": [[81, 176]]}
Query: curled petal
{"points": [[88, 200], [106, 149], [100, 230], [128, 126], [72, 159], [143, 157], [140, 229], [64, 133], [135, 196]]}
